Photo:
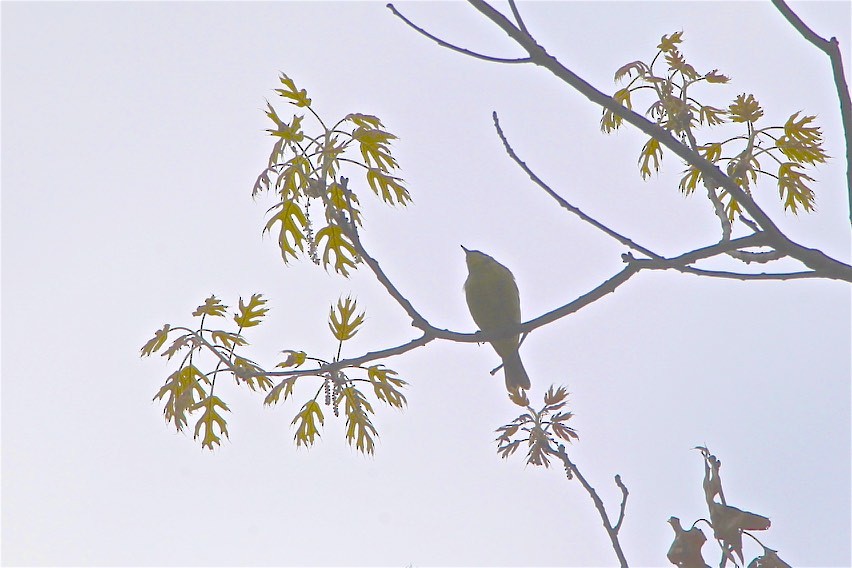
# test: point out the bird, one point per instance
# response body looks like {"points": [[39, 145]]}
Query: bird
{"points": [[495, 304]]}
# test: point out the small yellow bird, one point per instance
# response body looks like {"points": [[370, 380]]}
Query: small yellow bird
{"points": [[495, 304]]}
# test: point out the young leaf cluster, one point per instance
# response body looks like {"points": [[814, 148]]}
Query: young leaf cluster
{"points": [[304, 172], [340, 386], [211, 351], [778, 152], [540, 429], [190, 389]]}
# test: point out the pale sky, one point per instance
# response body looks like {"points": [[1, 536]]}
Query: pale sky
{"points": [[132, 134]]}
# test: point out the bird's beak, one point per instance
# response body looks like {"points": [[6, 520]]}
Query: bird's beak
{"points": [[464, 249]]}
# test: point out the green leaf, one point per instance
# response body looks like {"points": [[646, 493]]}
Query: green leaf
{"points": [[386, 385], [388, 187], [338, 244], [211, 307], [359, 428], [156, 342], [343, 322], [291, 235], [211, 421], [307, 431], [182, 387], [251, 313]]}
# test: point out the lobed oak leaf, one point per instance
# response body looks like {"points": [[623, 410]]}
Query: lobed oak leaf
{"points": [[338, 244], [801, 152], [793, 189], [715, 77], [228, 339], [799, 129], [539, 447], [637, 67], [289, 133], [210, 421], [293, 221], [374, 147], [295, 178], [650, 151], [510, 448], [359, 428], [364, 120], [611, 121], [669, 42], [211, 307], [519, 397], [386, 385], [294, 359], [388, 187], [307, 431], [157, 341], [298, 97], [285, 387], [677, 63], [251, 313], [745, 108], [552, 397], [343, 322], [177, 345], [711, 115], [182, 388]]}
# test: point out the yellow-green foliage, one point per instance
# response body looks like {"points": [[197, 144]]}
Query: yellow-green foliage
{"points": [[189, 390], [675, 109], [304, 171]]}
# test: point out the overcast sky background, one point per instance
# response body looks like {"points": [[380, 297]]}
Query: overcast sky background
{"points": [[132, 134]]}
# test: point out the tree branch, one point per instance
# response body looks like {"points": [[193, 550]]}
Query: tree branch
{"points": [[624, 494], [356, 361], [611, 530], [814, 259], [448, 45], [832, 49], [561, 201]]}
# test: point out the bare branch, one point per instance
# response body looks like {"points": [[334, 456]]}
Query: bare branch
{"points": [[624, 494], [356, 361], [600, 291], [612, 531], [562, 202], [746, 276], [832, 49], [518, 19], [448, 45]]}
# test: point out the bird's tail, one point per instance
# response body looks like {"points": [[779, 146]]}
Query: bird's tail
{"points": [[516, 375]]}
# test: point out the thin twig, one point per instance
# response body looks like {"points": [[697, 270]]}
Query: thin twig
{"points": [[612, 531], [355, 361], [624, 494], [747, 276], [832, 49], [448, 45], [562, 202], [515, 12]]}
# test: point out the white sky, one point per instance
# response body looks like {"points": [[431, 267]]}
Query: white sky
{"points": [[132, 134]]}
